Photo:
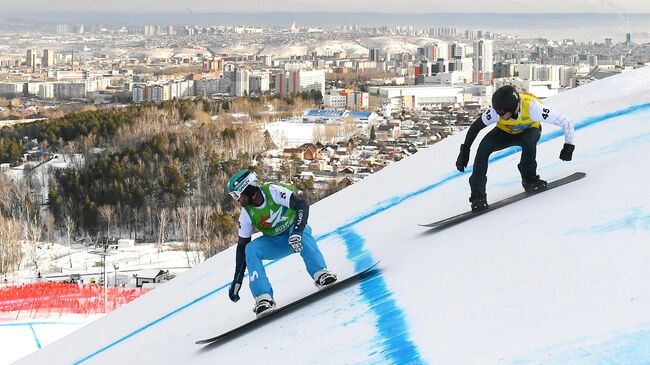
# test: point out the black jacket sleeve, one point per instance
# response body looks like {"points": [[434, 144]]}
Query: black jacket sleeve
{"points": [[240, 260], [302, 213], [473, 132]]}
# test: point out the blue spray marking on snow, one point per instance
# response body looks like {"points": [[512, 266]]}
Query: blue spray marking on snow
{"points": [[626, 349], [397, 347], [637, 219], [38, 343], [624, 143], [396, 200]]}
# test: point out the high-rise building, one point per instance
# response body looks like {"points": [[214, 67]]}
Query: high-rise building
{"points": [[296, 82], [528, 71], [458, 50], [48, 58], [483, 62], [11, 89], [441, 65], [242, 80], [138, 93], [504, 69], [430, 52], [374, 54], [259, 81], [549, 73], [433, 51], [425, 68], [628, 39], [70, 90], [30, 58], [157, 93], [62, 29], [567, 76], [170, 30], [46, 91], [149, 30]]}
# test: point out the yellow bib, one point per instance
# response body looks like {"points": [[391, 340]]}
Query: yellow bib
{"points": [[516, 126]]}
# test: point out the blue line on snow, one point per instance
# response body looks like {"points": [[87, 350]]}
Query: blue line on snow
{"points": [[38, 343], [398, 199], [391, 325], [394, 201], [151, 324]]}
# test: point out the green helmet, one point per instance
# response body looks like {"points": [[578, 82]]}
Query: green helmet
{"points": [[240, 181]]}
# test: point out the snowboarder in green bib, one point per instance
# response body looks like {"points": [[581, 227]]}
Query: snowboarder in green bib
{"points": [[281, 217]]}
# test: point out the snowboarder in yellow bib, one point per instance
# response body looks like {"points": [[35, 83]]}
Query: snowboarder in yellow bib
{"points": [[281, 217], [518, 118]]}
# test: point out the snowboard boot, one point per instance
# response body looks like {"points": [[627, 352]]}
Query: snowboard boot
{"points": [[264, 305], [533, 185], [479, 202], [324, 278]]}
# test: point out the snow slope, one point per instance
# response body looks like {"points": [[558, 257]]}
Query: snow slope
{"points": [[559, 278]]}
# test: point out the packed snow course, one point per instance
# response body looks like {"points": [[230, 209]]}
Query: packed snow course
{"points": [[557, 278]]}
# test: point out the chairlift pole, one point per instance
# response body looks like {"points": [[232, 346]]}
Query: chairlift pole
{"points": [[116, 266], [103, 253], [104, 277]]}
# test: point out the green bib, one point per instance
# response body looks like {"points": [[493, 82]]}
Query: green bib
{"points": [[274, 218]]}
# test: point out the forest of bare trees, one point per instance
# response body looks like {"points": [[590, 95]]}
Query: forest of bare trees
{"points": [[155, 173], [19, 222]]}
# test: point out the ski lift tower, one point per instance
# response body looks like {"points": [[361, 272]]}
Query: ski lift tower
{"points": [[103, 252]]}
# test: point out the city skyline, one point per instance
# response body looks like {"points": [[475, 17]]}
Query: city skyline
{"points": [[338, 6]]}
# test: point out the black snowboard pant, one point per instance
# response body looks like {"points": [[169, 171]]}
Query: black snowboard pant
{"points": [[497, 140]]}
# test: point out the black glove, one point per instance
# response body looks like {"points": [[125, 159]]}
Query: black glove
{"points": [[463, 158], [567, 152], [233, 292]]}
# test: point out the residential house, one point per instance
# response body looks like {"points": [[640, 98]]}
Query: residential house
{"points": [[387, 132], [307, 151]]}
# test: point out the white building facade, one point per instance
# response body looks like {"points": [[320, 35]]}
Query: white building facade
{"points": [[296, 82], [483, 61]]}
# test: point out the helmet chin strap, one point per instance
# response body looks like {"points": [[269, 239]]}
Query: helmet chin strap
{"points": [[515, 114]]}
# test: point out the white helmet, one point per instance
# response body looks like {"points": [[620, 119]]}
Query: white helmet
{"points": [[240, 181]]}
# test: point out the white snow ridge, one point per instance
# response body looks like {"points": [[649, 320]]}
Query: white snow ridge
{"points": [[558, 278]]}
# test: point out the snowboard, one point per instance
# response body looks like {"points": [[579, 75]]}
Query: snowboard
{"points": [[452, 221], [280, 311]]}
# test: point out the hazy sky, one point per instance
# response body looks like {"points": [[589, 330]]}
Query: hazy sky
{"points": [[385, 6]]}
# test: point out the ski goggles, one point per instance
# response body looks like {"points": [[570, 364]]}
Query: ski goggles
{"points": [[236, 194], [503, 112]]}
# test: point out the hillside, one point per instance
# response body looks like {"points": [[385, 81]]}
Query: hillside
{"points": [[557, 278]]}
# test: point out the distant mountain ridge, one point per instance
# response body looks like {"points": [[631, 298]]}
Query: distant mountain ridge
{"points": [[322, 18]]}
